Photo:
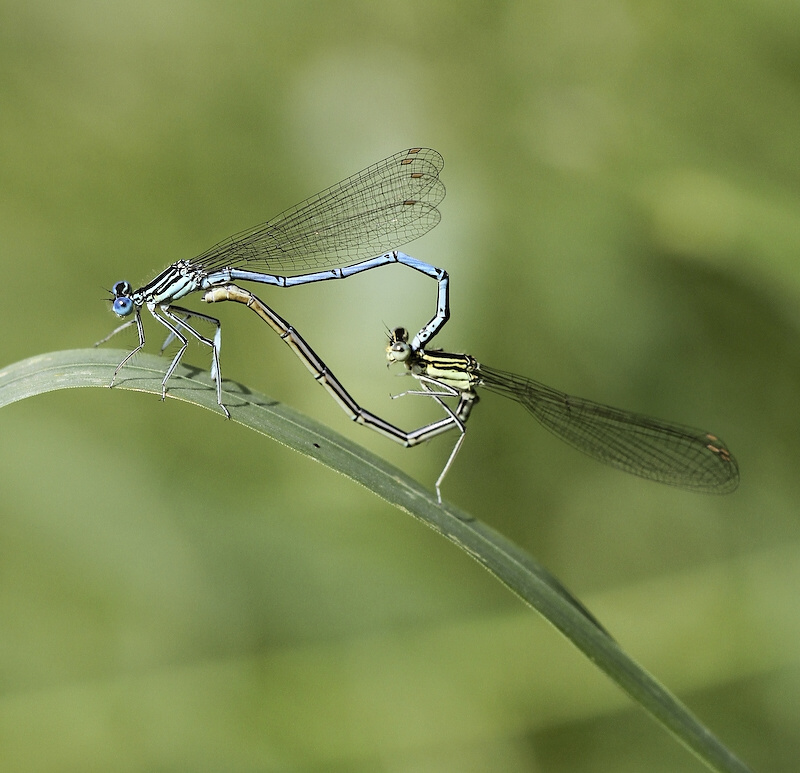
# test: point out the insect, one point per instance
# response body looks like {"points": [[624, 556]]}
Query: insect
{"points": [[641, 445], [385, 205]]}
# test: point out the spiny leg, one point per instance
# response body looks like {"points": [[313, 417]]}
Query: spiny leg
{"points": [[213, 345], [115, 331], [217, 340], [140, 330], [458, 420], [184, 345]]}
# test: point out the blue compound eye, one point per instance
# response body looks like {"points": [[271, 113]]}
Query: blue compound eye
{"points": [[122, 307], [121, 288]]}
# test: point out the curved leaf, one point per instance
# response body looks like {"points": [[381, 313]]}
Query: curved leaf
{"points": [[511, 565]]}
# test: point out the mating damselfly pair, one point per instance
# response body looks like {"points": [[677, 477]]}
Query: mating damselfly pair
{"points": [[357, 225]]}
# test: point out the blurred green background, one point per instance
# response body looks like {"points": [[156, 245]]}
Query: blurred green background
{"points": [[622, 222]]}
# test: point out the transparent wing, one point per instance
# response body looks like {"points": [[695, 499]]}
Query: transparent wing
{"points": [[382, 207], [650, 448]]}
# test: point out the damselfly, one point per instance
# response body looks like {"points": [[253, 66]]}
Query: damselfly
{"points": [[380, 208], [641, 445]]}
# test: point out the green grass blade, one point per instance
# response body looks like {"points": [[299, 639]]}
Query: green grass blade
{"points": [[512, 566]]}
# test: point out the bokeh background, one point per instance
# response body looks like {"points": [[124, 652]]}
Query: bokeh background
{"points": [[622, 222]]}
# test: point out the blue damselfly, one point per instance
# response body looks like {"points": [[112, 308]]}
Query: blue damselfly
{"points": [[380, 208]]}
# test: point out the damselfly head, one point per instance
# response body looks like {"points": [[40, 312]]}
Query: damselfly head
{"points": [[122, 304], [398, 348]]}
